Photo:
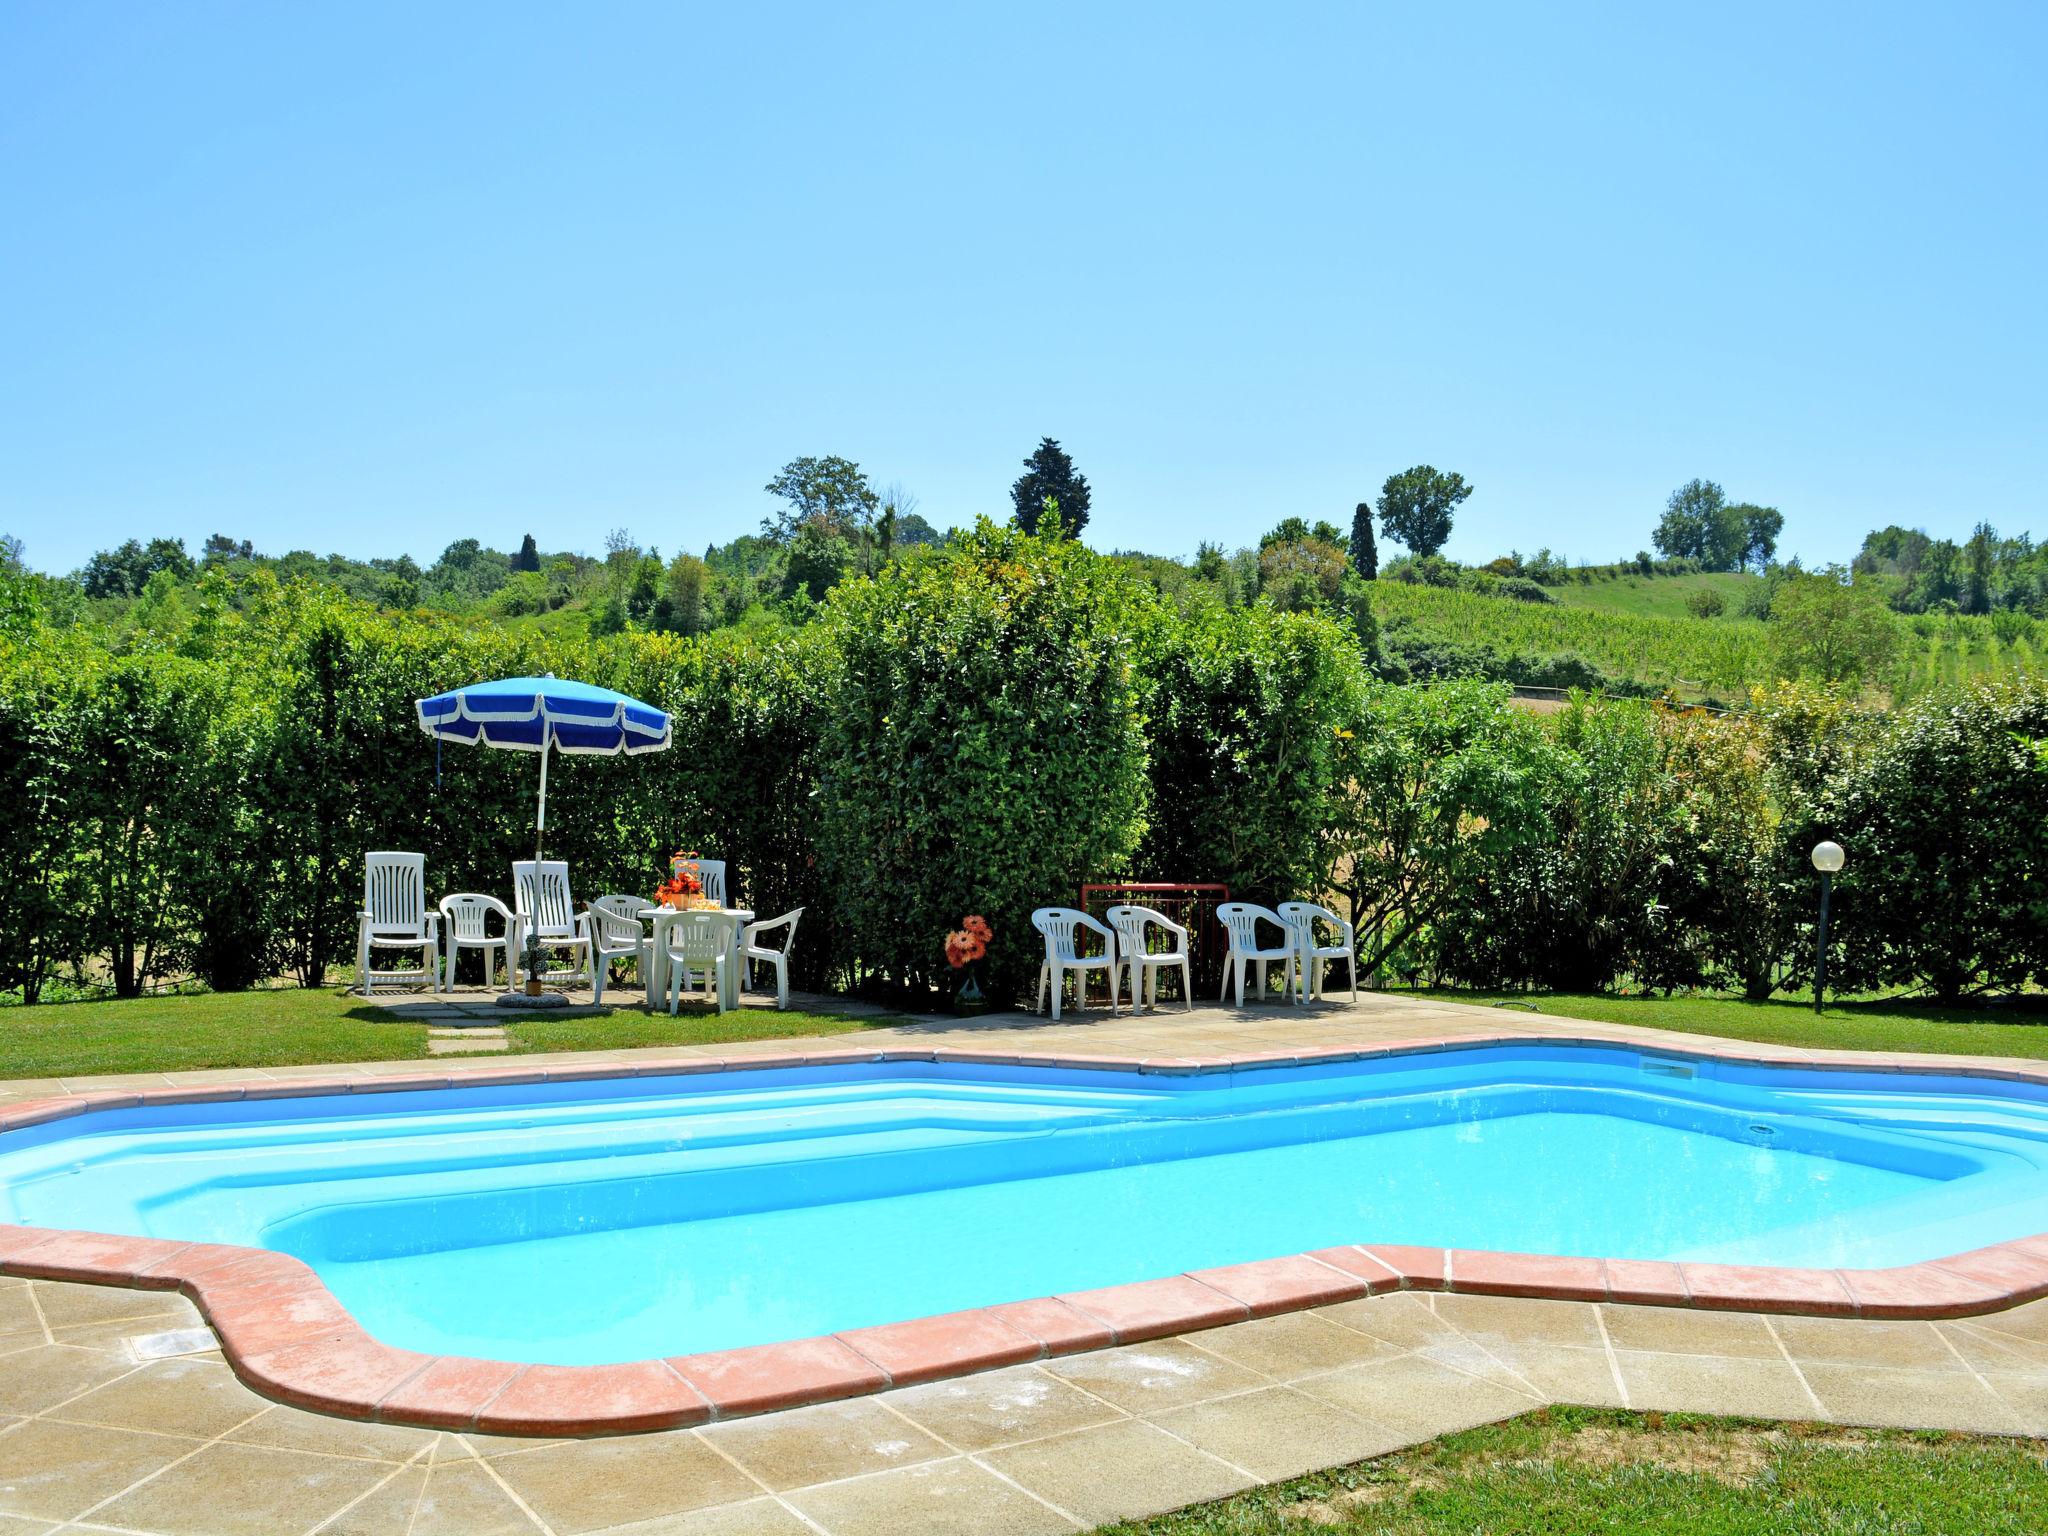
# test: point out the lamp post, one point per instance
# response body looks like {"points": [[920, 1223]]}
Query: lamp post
{"points": [[1827, 858]]}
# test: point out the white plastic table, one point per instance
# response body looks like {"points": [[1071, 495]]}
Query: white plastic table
{"points": [[665, 918]]}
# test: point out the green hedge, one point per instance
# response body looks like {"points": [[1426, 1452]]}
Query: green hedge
{"points": [[981, 728]]}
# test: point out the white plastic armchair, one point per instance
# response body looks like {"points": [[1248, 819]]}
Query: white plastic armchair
{"points": [[700, 945], [549, 919], [1240, 920], [753, 951], [1302, 917], [395, 915], [466, 919], [617, 933], [1141, 963], [1062, 928]]}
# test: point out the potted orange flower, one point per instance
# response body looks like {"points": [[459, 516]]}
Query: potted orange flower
{"points": [[684, 882], [965, 947]]}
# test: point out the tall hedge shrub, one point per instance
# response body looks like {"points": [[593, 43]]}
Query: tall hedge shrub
{"points": [[982, 749], [1244, 706]]}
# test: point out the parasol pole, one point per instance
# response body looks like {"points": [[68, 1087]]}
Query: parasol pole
{"points": [[540, 816]]}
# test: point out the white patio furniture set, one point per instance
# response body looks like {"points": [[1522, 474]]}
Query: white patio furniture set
{"points": [[1127, 951], [707, 952]]}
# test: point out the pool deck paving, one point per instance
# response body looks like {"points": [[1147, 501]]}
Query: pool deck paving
{"points": [[119, 1412]]}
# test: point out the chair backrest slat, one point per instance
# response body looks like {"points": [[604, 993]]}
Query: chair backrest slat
{"points": [[618, 920], [701, 936], [1241, 920]]}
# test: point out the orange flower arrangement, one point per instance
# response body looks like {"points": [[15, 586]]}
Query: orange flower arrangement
{"points": [[684, 881], [969, 942]]}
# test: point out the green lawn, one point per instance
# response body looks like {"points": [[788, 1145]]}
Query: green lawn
{"points": [[290, 1027], [1575, 1471], [2013, 1029]]}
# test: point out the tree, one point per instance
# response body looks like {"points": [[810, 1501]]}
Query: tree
{"points": [[1416, 507], [1701, 524], [1825, 625], [684, 606], [1760, 529], [1365, 554], [1049, 472], [828, 489], [528, 558], [124, 572], [219, 548], [1301, 574]]}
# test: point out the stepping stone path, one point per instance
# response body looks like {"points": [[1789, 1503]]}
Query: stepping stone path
{"points": [[447, 1040]]}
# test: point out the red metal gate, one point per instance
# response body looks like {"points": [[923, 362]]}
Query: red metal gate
{"points": [[1192, 904]]}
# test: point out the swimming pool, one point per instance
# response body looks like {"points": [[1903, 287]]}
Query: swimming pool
{"points": [[587, 1223]]}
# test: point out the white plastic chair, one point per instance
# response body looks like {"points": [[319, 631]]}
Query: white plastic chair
{"points": [[752, 950], [1302, 917], [700, 943], [395, 915], [549, 919], [1240, 920], [1142, 964], [1062, 928], [617, 933], [711, 875], [464, 917]]}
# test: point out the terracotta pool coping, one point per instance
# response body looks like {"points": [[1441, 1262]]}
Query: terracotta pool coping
{"points": [[288, 1337]]}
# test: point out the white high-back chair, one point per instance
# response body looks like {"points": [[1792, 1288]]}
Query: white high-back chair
{"points": [[395, 915], [711, 875], [1240, 920], [752, 950], [700, 945], [1302, 917], [465, 916], [618, 934], [1061, 928], [1140, 962], [548, 918]]}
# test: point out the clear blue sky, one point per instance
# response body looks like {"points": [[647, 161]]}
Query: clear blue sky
{"points": [[372, 277]]}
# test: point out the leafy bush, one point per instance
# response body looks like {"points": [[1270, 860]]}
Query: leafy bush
{"points": [[1243, 707], [982, 749]]}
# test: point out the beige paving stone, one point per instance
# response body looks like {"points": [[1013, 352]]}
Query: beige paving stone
{"points": [[464, 1499], [755, 1517], [21, 1525], [1294, 1344], [192, 1397], [1687, 1331], [1418, 1398], [1909, 1399], [489, 1447], [1118, 1471], [55, 1471], [823, 1443], [941, 1498], [242, 1490], [35, 1379], [1563, 1375], [1278, 1432], [72, 1306], [1502, 1323], [286, 1428], [586, 1485], [388, 1509], [1860, 1341], [1401, 1318], [1987, 1346], [974, 1413], [1154, 1376], [1762, 1389], [2026, 1394], [18, 1316]]}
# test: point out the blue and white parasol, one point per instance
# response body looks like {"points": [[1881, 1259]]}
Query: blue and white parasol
{"points": [[544, 714]]}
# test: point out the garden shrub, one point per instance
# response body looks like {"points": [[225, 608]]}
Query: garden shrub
{"points": [[982, 748], [1243, 707]]}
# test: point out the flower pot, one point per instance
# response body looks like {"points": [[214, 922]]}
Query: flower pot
{"points": [[968, 999], [533, 987]]}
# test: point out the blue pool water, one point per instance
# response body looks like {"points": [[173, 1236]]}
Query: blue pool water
{"points": [[585, 1223]]}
